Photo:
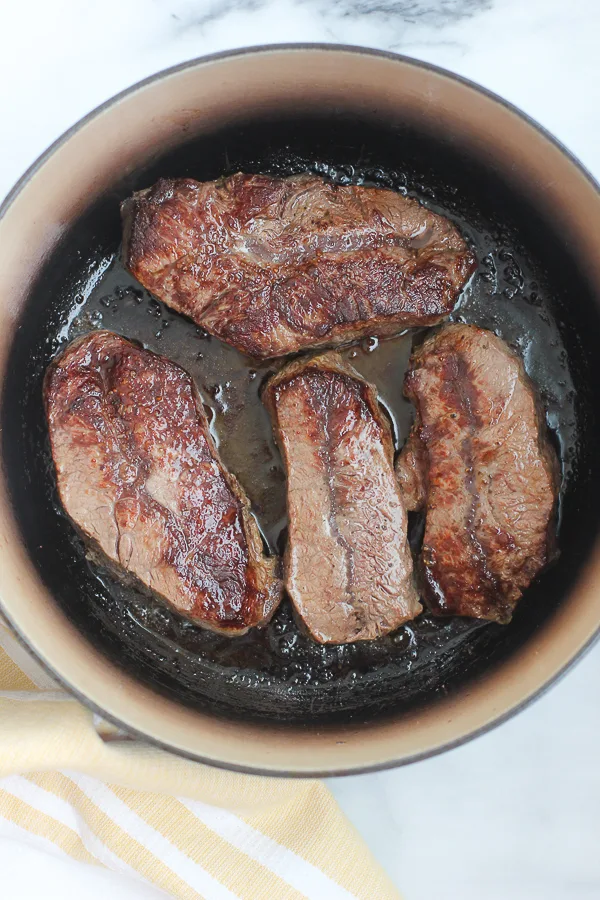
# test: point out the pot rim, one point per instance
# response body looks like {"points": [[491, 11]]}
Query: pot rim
{"points": [[255, 49], [63, 139]]}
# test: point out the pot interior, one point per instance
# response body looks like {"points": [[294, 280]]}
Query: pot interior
{"points": [[528, 288]]}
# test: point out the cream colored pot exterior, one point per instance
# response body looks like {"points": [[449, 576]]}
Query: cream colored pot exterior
{"points": [[124, 134]]}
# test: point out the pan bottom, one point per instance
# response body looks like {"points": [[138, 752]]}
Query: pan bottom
{"points": [[521, 290]]}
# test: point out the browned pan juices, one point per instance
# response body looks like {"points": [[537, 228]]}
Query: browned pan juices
{"points": [[278, 673]]}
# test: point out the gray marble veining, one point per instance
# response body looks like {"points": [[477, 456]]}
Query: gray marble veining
{"points": [[434, 13], [397, 15]]}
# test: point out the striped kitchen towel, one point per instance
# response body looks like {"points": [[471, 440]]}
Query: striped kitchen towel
{"points": [[192, 830]]}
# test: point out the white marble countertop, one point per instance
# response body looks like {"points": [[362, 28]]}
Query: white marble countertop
{"points": [[517, 812]]}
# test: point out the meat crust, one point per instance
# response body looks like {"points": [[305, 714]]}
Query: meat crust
{"points": [[139, 475], [480, 460], [274, 266], [348, 567]]}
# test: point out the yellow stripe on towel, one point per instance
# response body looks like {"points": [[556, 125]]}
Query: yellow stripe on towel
{"points": [[196, 832], [247, 877], [26, 816]]}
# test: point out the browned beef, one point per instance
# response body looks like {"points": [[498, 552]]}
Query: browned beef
{"points": [[348, 567], [411, 469], [273, 266], [139, 475], [479, 458]]}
